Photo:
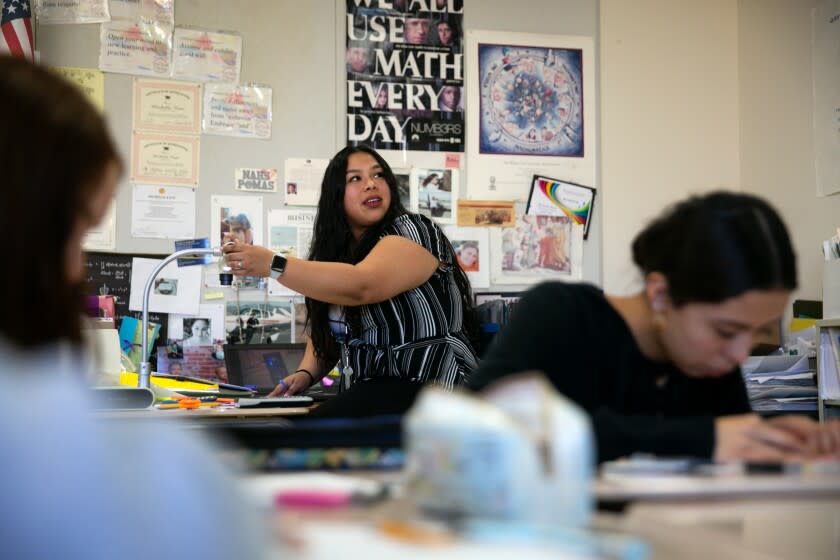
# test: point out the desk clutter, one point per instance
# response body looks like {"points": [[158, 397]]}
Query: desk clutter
{"points": [[781, 383]]}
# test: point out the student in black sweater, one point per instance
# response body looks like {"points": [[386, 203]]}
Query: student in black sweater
{"points": [[659, 371]]}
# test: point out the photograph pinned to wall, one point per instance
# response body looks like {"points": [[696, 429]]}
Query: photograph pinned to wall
{"points": [[553, 197], [160, 212], [160, 11], [170, 359], [472, 252], [255, 179], [241, 111], [202, 361], [196, 331], [432, 193], [174, 290], [532, 98], [211, 329], [483, 213], [236, 217], [72, 11], [206, 56], [254, 318], [290, 234], [403, 176], [303, 180], [139, 48], [538, 248]]}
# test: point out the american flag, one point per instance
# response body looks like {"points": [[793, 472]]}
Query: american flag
{"points": [[16, 28]]}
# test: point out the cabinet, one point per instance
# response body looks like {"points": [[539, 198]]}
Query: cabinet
{"points": [[828, 365]]}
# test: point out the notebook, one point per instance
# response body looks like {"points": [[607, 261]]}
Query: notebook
{"points": [[262, 366]]}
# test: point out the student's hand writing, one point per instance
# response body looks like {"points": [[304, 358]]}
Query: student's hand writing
{"points": [[822, 441], [747, 437], [248, 260], [827, 439], [293, 384]]}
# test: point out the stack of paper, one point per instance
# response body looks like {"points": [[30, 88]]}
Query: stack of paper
{"points": [[781, 383]]}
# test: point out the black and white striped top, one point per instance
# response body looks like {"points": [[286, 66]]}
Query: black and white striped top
{"points": [[417, 334]]}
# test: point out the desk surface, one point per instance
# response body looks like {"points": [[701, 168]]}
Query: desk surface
{"points": [[627, 488], [739, 529], [724, 529], [213, 413]]}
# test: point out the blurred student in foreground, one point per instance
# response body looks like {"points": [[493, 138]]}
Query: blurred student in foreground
{"points": [[74, 486], [659, 371]]}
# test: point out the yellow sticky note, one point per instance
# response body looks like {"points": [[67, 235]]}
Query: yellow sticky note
{"points": [[214, 295]]}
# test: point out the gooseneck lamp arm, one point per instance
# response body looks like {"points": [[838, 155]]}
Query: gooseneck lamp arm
{"points": [[145, 377]]}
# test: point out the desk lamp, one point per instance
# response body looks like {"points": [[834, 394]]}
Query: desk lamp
{"points": [[225, 277]]}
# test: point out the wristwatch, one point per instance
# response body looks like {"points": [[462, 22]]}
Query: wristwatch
{"points": [[278, 266]]}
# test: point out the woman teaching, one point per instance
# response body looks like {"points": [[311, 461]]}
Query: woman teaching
{"points": [[384, 294], [658, 371]]}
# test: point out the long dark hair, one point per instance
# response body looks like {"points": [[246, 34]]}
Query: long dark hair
{"points": [[54, 151], [718, 246], [333, 241]]}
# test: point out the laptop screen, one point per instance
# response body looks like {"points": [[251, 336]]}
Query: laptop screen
{"points": [[262, 366]]}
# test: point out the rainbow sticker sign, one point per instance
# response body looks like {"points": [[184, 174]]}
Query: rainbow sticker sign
{"points": [[553, 197]]}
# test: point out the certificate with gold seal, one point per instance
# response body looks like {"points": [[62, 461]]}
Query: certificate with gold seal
{"points": [[164, 160], [167, 106]]}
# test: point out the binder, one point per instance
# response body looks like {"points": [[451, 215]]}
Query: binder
{"points": [[829, 370]]}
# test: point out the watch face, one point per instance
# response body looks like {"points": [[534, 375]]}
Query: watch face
{"points": [[278, 263]]}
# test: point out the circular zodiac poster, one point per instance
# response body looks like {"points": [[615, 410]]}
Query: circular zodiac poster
{"points": [[531, 101]]}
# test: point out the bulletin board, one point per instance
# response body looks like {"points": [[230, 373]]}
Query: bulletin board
{"points": [[298, 50]]}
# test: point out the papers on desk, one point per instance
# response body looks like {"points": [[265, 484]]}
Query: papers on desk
{"points": [[778, 365], [780, 383]]}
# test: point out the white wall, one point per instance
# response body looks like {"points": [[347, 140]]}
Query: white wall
{"points": [[777, 147], [669, 114], [700, 95]]}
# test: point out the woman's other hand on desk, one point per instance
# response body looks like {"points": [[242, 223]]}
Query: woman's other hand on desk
{"points": [[293, 384], [748, 437]]}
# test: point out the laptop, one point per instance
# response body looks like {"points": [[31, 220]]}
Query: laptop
{"points": [[261, 366]]}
